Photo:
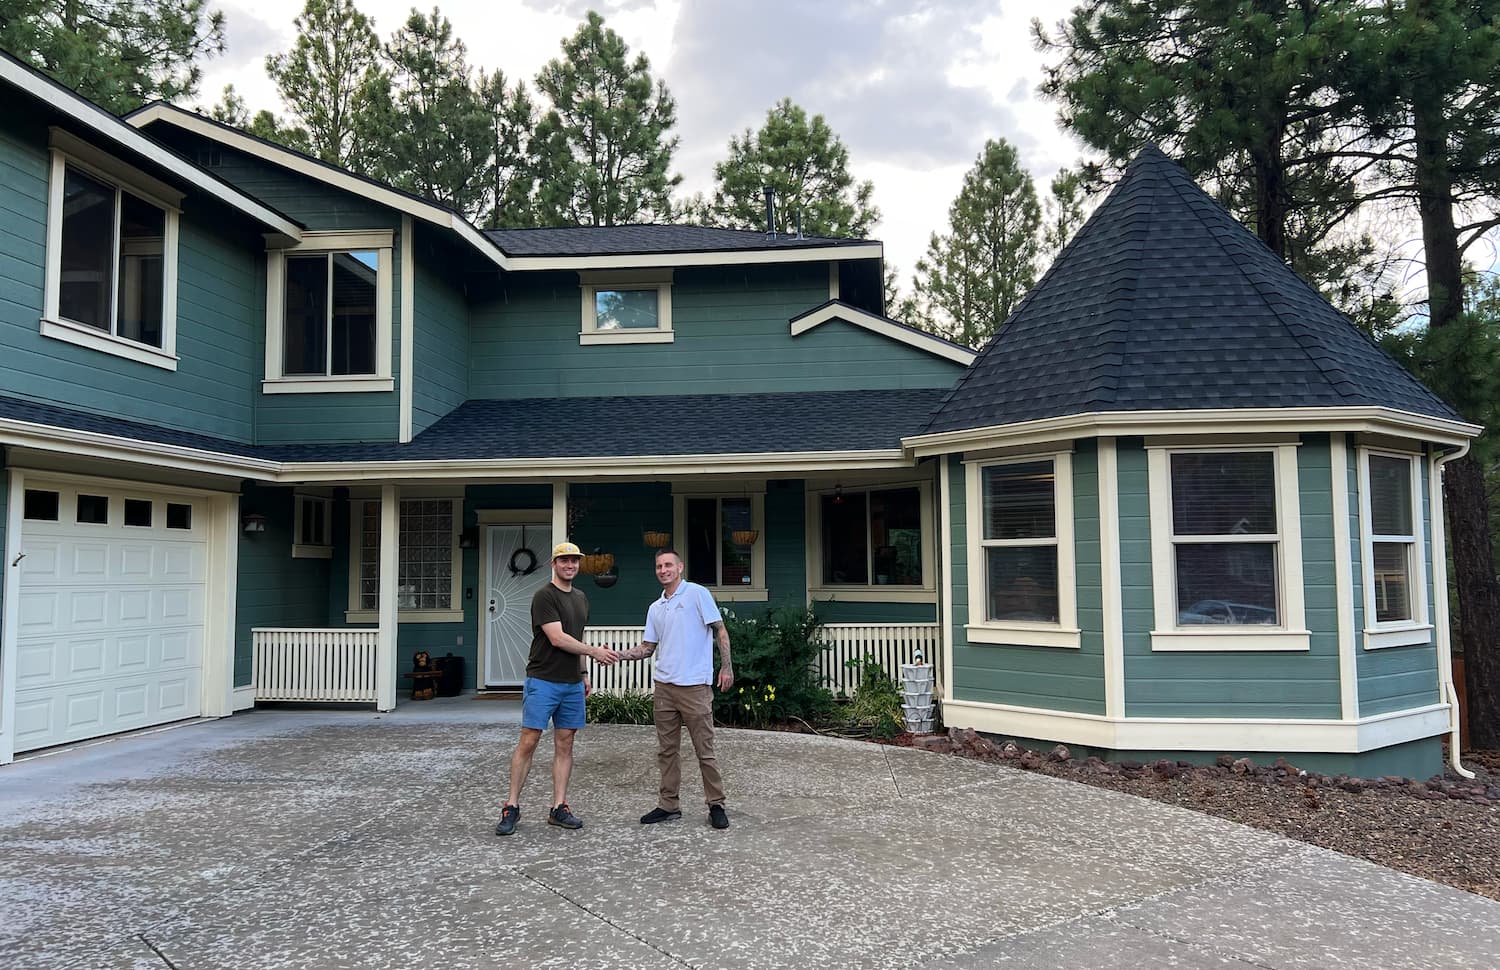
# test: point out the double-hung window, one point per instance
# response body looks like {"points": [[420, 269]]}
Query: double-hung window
{"points": [[721, 538], [1226, 549], [328, 314], [871, 542], [428, 564], [630, 307], [1021, 556], [1395, 592], [111, 280], [312, 527]]}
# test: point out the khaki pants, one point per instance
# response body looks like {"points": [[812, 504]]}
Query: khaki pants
{"points": [[691, 707]]}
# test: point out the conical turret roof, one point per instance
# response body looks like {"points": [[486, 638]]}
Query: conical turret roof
{"points": [[1163, 302]]}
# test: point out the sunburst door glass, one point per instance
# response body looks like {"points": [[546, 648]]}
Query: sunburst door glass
{"points": [[626, 310]]}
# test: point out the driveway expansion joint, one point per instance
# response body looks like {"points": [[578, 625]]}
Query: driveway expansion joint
{"points": [[608, 922], [154, 949]]}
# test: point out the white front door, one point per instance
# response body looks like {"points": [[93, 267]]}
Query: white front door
{"points": [[513, 577], [110, 624]]}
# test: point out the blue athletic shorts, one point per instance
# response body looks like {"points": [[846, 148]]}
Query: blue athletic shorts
{"points": [[547, 700]]}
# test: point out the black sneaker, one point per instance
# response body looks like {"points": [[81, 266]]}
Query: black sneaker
{"points": [[659, 815], [509, 816], [563, 815], [717, 817]]}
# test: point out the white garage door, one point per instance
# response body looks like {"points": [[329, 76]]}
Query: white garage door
{"points": [[111, 611]]}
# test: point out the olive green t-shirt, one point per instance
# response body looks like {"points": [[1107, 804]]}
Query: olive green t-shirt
{"points": [[552, 605]]}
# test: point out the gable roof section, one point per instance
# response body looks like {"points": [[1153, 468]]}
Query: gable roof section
{"points": [[885, 326], [119, 135], [564, 248], [1163, 302]]}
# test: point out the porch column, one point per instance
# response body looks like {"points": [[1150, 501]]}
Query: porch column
{"points": [[390, 558], [559, 516]]}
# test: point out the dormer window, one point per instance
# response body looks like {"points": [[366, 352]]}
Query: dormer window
{"points": [[633, 307], [328, 314]]}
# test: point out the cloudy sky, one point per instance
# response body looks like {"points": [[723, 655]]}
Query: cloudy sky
{"points": [[914, 87]]}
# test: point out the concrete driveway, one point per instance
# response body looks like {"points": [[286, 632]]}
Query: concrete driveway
{"points": [[296, 838]]}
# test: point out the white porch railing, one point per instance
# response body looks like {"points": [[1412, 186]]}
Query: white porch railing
{"points": [[335, 665], [891, 644]]}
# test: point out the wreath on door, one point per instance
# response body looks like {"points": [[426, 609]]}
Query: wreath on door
{"points": [[523, 560]]}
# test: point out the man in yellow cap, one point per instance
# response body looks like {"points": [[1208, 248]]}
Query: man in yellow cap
{"points": [[556, 685]]}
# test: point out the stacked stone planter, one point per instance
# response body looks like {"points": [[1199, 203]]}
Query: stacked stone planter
{"points": [[916, 696]]}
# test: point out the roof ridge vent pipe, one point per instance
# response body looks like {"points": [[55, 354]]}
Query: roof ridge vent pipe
{"points": [[770, 193], [799, 223]]}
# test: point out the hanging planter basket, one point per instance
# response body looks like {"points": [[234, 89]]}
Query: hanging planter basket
{"points": [[745, 537], [607, 578], [597, 562], [657, 540]]}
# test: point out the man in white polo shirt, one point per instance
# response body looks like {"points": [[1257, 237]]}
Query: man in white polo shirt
{"points": [[681, 629]]}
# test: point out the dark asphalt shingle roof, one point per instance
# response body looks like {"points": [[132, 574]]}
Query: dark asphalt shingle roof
{"points": [[806, 423], [634, 240], [1162, 302]]}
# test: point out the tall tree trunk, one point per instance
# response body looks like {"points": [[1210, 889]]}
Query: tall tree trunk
{"points": [[1469, 537]]}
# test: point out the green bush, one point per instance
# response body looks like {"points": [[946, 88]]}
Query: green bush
{"points": [[775, 655], [628, 708], [876, 704]]}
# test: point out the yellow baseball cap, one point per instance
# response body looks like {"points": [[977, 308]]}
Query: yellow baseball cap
{"points": [[566, 549]]}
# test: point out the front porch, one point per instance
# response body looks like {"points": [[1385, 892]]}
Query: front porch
{"points": [[341, 585]]}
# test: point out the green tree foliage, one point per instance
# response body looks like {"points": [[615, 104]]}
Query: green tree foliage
{"points": [[437, 134], [331, 81], [231, 110], [973, 276], [808, 167], [1241, 92], [1063, 210], [775, 668], [510, 172], [117, 53], [604, 148]]}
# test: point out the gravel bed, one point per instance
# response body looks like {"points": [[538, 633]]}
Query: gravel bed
{"points": [[1446, 828]]}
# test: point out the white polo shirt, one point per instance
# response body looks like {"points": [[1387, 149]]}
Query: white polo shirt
{"points": [[678, 625]]}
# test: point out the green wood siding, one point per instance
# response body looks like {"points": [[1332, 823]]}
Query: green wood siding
{"points": [[785, 542], [440, 368], [732, 336], [211, 390], [838, 611], [274, 590], [1231, 684], [1396, 678], [617, 515], [1048, 678]]}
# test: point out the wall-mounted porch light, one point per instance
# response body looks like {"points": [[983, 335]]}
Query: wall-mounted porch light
{"points": [[253, 522]]}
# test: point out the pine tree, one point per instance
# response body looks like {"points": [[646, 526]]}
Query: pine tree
{"points": [[117, 53], [974, 275], [806, 165], [510, 173], [604, 148], [231, 110]]}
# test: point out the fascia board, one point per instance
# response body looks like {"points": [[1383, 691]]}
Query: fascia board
{"points": [[110, 128], [1234, 421], [714, 257], [90, 444]]}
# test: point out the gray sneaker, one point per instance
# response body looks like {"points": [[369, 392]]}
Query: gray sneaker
{"points": [[509, 816], [563, 815]]}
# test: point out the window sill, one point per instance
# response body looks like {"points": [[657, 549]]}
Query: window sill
{"points": [[596, 337], [326, 385], [311, 552], [1230, 640], [1024, 635], [76, 333], [873, 594], [739, 594], [406, 616], [1382, 638]]}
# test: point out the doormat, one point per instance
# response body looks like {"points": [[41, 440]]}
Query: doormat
{"points": [[498, 695]]}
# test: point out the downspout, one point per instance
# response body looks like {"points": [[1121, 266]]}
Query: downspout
{"points": [[1440, 604]]}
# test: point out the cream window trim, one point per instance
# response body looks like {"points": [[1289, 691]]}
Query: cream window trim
{"points": [[592, 283], [1065, 632], [354, 614], [1292, 633], [754, 591], [817, 590], [1397, 633], [381, 241], [68, 151]]}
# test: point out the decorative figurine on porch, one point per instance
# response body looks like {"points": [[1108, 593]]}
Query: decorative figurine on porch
{"points": [[423, 676]]}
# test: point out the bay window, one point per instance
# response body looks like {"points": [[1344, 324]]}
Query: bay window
{"points": [[1395, 588]]}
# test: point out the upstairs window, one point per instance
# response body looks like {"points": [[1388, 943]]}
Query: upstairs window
{"points": [[626, 307], [111, 256], [328, 324]]}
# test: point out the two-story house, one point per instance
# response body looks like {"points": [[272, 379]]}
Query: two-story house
{"points": [[270, 428]]}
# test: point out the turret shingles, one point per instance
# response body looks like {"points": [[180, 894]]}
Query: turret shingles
{"points": [[1164, 302]]}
